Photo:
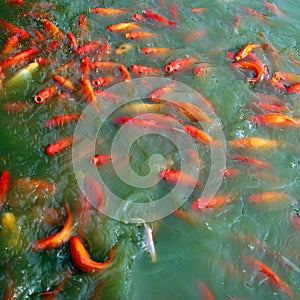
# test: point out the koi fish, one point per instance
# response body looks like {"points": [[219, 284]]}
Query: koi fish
{"points": [[230, 172], [180, 64], [215, 202], [90, 47], [274, 8], [124, 72], [176, 176], [61, 120], [4, 186], [138, 122], [199, 135], [237, 22], [245, 50], [17, 106], [87, 90], [198, 9], [194, 35], [82, 260], [205, 292], [249, 65], [73, 41], [99, 159], [264, 107], [286, 77], [10, 45], [156, 51], [201, 69], [270, 275], [59, 145], [106, 95], [294, 88], [174, 11], [100, 81], [107, 11], [274, 119], [57, 239], [144, 70], [257, 163], [40, 37], [140, 35], [40, 187], [268, 197], [45, 94], [65, 82], [295, 220], [95, 65], [254, 142], [157, 95], [124, 48], [120, 27], [18, 58], [268, 98], [52, 30], [256, 14], [13, 29], [158, 18], [85, 66], [94, 192], [19, 2]]}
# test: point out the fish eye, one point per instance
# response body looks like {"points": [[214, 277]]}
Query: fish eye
{"points": [[38, 99], [168, 69]]}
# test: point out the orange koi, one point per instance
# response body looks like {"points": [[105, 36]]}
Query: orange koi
{"points": [[42, 61], [18, 58], [180, 64], [158, 94], [199, 135], [65, 82], [198, 9], [17, 106], [124, 72], [205, 292], [45, 94], [90, 47], [41, 38], [10, 45], [99, 159], [251, 66], [82, 260], [294, 88], [174, 11], [274, 8], [291, 56], [120, 27], [270, 275], [138, 122], [158, 18], [100, 81], [268, 197], [53, 47], [57, 239], [138, 17], [108, 11], [268, 98], [250, 161], [140, 35], [156, 51], [256, 14], [295, 220], [94, 192], [85, 66], [73, 41], [19, 2], [194, 35], [245, 50], [237, 21], [285, 77], [106, 95], [201, 69], [61, 120], [254, 142], [275, 120], [268, 107], [59, 145], [141, 70], [13, 29], [230, 172], [271, 48], [95, 65], [177, 176], [4, 186], [215, 202], [83, 26], [87, 90], [52, 30], [36, 185]]}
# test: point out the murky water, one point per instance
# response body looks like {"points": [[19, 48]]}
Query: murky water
{"points": [[210, 246]]}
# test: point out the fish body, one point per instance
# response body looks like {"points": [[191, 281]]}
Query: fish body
{"points": [[59, 145]]}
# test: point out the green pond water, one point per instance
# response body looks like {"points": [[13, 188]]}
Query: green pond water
{"points": [[213, 246]]}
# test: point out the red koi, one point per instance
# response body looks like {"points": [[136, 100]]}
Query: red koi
{"points": [[13, 29], [230, 172], [108, 11], [268, 197], [73, 41], [198, 9], [52, 30], [140, 35], [94, 192], [264, 107], [45, 94], [270, 275], [4, 186], [158, 18], [87, 90], [19, 58], [215, 202], [90, 47], [59, 145], [121, 27], [294, 88], [174, 176], [274, 119], [82, 260], [256, 14], [124, 72], [65, 82], [53, 47], [42, 61], [61, 120], [274, 8], [194, 35], [180, 64], [138, 122], [205, 292], [10, 45], [237, 21], [174, 11], [57, 239], [249, 66], [156, 51], [83, 26], [138, 17], [107, 80], [19, 2], [99, 159], [254, 142], [245, 50], [141, 70], [250, 161]]}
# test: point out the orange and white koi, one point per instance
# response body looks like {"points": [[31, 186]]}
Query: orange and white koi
{"points": [[108, 11], [180, 64], [45, 94], [156, 51], [245, 50], [99, 159], [140, 35], [13, 29], [268, 197], [57, 239], [254, 142], [61, 120], [10, 45], [141, 70], [4, 186], [82, 260], [276, 120], [126, 26], [180, 177], [158, 18], [59, 145]]}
